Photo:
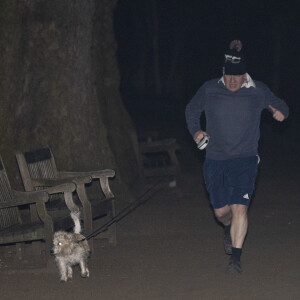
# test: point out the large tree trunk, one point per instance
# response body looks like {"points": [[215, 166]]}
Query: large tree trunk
{"points": [[59, 86]]}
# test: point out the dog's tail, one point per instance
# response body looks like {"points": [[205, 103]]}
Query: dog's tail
{"points": [[76, 218]]}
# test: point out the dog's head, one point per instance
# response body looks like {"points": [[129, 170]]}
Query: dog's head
{"points": [[63, 243]]}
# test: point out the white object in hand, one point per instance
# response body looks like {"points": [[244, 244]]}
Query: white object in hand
{"points": [[203, 142]]}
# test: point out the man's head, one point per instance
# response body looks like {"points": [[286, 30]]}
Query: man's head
{"points": [[234, 68], [234, 82]]}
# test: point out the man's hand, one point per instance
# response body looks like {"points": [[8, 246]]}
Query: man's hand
{"points": [[277, 114], [198, 136]]}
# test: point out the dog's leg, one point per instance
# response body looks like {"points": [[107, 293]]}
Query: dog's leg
{"points": [[87, 272], [70, 272], [84, 270], [62, 270]]}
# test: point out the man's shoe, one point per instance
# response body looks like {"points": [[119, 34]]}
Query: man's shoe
{"points": [[234, 266], [227, 244]]}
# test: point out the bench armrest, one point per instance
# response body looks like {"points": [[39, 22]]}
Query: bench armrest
{"points": [[61, 188], [67, 189], [93, 174], [102, 175], [52, 182], [23, 198]]}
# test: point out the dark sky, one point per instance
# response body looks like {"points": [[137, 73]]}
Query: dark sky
{"points": [[167, 49]]}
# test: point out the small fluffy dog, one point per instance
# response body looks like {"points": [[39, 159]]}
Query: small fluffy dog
{"points": [[69, 249]]}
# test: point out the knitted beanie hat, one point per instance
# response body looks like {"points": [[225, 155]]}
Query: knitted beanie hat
{"points": [[235, 63]]}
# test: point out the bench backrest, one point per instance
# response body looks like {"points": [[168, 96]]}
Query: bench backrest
{"points": [[36, 164], [39, 164], [8, 216]]}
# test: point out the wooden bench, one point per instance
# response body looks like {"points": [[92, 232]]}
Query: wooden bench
{"points": [[15, 227], [158, 155], [38, 170]]}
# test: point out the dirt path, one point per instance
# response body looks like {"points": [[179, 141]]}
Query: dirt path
{"points": [[171, 248]]}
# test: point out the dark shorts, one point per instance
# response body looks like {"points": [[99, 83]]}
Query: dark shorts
{"points": [[230, 181]]}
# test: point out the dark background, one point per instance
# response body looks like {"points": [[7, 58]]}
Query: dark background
{"points": [[168, 49]]}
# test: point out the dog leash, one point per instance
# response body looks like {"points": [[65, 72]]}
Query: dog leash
{"points": [[129, 208]]}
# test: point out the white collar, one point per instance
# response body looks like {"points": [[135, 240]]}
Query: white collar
{"points": [[249, 81]]}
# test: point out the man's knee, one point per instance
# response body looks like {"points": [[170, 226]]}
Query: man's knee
{"points": [[239, 209], [222, 212]]}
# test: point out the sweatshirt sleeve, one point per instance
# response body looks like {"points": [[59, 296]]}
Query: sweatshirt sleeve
{"points": [[271, 99], [194, 110]]}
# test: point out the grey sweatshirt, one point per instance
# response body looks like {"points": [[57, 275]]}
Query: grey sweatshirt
{"points": [[232, 118]]}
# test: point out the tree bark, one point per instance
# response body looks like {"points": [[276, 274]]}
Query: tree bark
{"points": [[59, 86]]}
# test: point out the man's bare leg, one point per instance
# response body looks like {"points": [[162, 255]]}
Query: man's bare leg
{"points": [[235, 216], [239, 224], [224, 215]]}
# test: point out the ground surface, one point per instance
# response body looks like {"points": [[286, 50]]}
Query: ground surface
{"points": [[171, 247]]}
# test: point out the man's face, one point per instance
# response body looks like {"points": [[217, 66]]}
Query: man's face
{"points": [[234, 82]]}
